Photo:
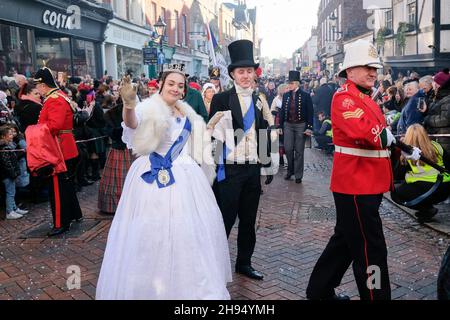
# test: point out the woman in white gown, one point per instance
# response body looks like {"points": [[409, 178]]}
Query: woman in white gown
{"points": [[167, 240]]}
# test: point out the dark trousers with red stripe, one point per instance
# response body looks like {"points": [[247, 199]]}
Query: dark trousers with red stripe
{"points": [[63, 198], [358, 238]]}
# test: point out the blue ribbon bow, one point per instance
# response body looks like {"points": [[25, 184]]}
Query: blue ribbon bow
{"points": [[163, 165]]}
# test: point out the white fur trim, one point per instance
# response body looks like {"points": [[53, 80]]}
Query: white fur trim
{"points": [[154, 123]]}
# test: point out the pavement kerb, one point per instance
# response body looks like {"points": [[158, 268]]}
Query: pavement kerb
{"points": [[439, 227]]}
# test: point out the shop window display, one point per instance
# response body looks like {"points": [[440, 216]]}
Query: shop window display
{"points": [[84, 58], [53, 53], [15, 51], [129, 61]]}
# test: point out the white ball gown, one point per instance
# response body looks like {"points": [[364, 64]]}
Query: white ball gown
{"points": [[168, 243]]}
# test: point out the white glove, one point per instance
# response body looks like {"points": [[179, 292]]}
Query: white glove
{"points": [[214, 120], [128, 93], [414, 156], [390, 138], [273, 135]]}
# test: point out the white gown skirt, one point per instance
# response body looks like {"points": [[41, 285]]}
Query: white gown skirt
{"points": [[168, 243]]}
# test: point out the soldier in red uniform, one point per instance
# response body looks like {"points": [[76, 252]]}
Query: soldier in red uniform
{"points": [[58, 115], [361, 174]]}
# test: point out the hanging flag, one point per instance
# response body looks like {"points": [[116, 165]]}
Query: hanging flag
{"points": [[212, 48], [217, 58]]}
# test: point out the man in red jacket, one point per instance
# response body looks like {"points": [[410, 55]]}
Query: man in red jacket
{"points": [[58, 115], [361, 174]]}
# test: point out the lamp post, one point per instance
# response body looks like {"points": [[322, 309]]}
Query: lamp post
{"points": [[160, 28]]}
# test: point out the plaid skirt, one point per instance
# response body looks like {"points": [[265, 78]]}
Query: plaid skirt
{"points": [[113, 178]]}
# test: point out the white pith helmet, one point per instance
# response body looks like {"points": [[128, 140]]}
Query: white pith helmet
{"points": [[360, 53]]}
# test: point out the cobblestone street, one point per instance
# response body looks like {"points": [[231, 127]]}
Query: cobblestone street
{"points": [[294, 225]]}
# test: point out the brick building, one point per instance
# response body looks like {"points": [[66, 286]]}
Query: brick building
{"points": [[185, 38], [338, 21], [423, 45]]}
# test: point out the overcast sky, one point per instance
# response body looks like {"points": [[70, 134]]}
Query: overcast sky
{"points": [[284, 25]]}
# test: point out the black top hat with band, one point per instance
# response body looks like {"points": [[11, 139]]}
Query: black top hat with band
{"points": [[214, 73], [44, 75], [294, 76], [241, 54]]}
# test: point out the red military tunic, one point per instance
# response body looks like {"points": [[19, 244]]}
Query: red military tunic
{"points": [[58, 116], [358, 124]]}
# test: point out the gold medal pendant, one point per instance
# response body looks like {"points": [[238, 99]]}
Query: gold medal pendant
{"points": [[163, 177]]}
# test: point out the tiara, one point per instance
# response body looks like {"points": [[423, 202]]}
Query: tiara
{"points": [[174, 68]]}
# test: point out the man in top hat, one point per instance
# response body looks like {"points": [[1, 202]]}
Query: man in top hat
{"points": [[57, 114], [296, 119], [214, 78], [238, 186], [361, 174]]}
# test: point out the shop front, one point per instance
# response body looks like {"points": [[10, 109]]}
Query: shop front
{"points": [[64, 37], [123, 46]]}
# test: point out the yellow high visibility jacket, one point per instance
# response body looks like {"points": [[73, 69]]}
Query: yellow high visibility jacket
{"points": [[427, 173]]}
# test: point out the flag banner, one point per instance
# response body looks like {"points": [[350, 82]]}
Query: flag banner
{"points": [[225, 79], [217, 58]]}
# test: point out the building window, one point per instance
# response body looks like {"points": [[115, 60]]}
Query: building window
{"points": [[120, 7], [163, 17], [83, 58], [388, 20], [54, 53], [167, 22], [183, 29], [411, 9], [15, 51], [163, 14], [177, 32], [135, 12], [129, 61], [153, 13]]}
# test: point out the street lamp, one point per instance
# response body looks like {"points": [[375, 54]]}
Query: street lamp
{"points": [[160, 28], [298, 55]]}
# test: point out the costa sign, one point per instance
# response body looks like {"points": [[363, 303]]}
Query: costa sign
{"points": [[71, 20]]}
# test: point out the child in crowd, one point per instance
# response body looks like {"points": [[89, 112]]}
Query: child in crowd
{"points": [[9, 171]]}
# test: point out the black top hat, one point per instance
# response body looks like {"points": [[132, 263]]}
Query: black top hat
{"points": [[214, 73], [241, 54], [294, 76], [44, 75]]}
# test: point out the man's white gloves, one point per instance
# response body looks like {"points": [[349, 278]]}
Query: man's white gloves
{"points": [[414, 156], [390, 138], [215, 120]]}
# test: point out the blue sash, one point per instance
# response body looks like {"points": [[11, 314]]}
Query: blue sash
{"points": [[249, 120], [161, 166]]}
